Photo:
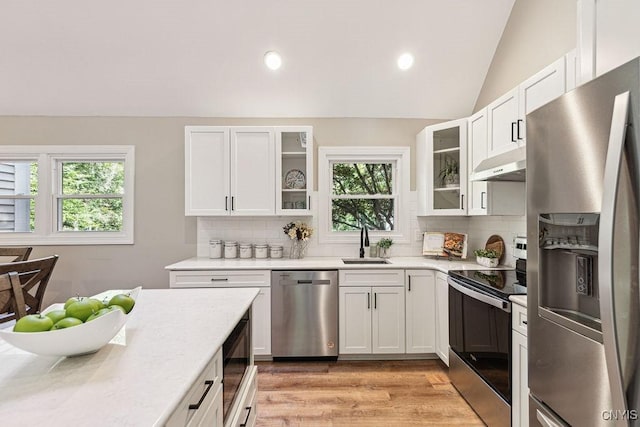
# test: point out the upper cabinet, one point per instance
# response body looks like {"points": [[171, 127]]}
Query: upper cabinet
{"points": [[244, 170], [294, 163], [506, 115], [441, 159]]}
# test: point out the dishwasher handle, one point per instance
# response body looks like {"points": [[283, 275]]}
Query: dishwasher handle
{"points": [[305, 282]]}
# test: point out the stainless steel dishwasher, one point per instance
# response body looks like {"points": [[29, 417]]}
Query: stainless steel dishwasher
{"points": [[304, 313]]}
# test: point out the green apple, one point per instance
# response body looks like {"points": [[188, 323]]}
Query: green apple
{"points": [[97, 304], [67, 322], [72, 300], [33, 323], [80, 309], [56, 315], [104, 311], [124, 301]]}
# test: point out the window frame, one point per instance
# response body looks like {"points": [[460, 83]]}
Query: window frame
{"points": [[397, 156], [48, 158]]}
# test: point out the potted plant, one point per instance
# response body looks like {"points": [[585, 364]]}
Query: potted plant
{"points": [[486, 257], [384, 247], [450, 173]]}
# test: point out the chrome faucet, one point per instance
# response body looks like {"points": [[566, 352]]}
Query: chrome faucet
{"points": [[364, 240]]}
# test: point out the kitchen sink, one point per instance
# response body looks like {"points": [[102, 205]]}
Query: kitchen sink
{"points": [[366, 261]]}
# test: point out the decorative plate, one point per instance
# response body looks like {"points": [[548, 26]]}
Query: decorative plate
{"points": [[295, 179], [496, 243]]}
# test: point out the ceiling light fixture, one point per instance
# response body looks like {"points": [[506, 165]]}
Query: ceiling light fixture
{"points": [[405, 61], [272, 60]]}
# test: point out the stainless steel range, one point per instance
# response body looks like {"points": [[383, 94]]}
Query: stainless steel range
{"points": [[480, 338]]}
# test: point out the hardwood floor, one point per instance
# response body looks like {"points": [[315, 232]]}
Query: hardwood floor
{"points": [[359, 393]]}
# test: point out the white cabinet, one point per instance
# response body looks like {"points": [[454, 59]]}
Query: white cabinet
{"points": [[371, 311], [442, 317], [202, 405], [519, 370], [261, 312], [441, 157], [294, 169], [420, 311], [506, 115], [489, 198], [229, 170]]}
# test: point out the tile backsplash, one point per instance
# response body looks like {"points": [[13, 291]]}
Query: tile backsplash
{"points": [[269, 230]]}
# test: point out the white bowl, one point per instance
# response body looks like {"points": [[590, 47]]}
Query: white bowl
{"points": [[82, 339]]}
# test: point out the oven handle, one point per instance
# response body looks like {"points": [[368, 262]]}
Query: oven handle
{"points": [[495, 302]]}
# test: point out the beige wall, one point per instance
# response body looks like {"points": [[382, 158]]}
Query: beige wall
{"points": [[537, 33], [163, 234]]}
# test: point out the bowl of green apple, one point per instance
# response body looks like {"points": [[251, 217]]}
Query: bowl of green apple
{"points": [[81, 325]]}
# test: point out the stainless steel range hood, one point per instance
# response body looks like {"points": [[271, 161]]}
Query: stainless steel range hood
{"points": [[509, 166]]}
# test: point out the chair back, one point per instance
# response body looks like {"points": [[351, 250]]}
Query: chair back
{"points": [[34, 276], [10, 285], [20, 253]]}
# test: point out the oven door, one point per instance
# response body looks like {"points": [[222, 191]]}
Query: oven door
{"points": [[480, 334]]}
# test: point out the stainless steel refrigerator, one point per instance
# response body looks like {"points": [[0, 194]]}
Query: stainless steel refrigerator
{"points": [[583, 186]]}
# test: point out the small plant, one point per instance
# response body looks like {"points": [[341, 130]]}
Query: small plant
{"points": [[485, 253], [298, 230], [385, 243]]}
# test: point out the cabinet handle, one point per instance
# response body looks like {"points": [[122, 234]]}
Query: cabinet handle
{"points": [[232, 208], [368, 300], [518, 128], [462, 201], [375, 300], [409, 283], [513, 132], [482, 195], [209, 384], [309, 204], [524, 322], [246, 419], [220, 280], [226, 203]]}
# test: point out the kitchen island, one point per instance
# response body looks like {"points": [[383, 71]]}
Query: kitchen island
{"points": [[136, 380]]}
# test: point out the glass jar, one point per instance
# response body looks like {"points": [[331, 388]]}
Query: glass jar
{"points": [[245, 250], [276, 251], [230, 249], [215, 248], [261, 251]]}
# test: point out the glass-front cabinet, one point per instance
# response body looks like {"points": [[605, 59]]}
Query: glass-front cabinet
{"points": [[294, 181], [442, 178]]}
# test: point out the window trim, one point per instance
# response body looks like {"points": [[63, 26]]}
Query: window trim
{"points": [[46, 216], [399, 156]]}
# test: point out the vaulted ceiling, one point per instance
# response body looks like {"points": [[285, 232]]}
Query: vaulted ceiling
{"points": [[204, 57]]}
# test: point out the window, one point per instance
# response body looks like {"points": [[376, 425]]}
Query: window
{"points": [[66, 194], [359, 187]]}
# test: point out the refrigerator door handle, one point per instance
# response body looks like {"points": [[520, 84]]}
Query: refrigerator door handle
{"points": [[605, 238]]}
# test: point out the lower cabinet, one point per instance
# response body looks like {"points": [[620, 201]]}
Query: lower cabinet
{"points": [[442, 317], [371, 318], [245, 409], [421, 311], [519, 368]]}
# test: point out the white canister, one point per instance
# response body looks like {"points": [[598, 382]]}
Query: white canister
{"points": [[230, 249], [261, 251], [245, 250], [215, 248], [276, 251]]}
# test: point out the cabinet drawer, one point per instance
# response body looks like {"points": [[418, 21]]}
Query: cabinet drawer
{"points": [[219, 279], [244, 411], [371, 278], [201, 394], [519, 318]]}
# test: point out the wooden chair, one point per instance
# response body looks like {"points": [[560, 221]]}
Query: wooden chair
{"points": [[34, 276], [21, 253], [10, 284]]}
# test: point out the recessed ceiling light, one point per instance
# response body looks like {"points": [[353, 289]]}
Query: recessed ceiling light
{"points": [[405, 61], [272, 60]]}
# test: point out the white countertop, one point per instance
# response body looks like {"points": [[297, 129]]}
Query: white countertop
{"points": [[519, 299], [169, 339], [320, 263]]}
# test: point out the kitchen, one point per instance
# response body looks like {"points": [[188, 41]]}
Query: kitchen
{"points": [[163, 235]]}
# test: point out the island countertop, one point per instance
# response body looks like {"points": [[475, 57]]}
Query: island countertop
{"points": [[170, 337]]}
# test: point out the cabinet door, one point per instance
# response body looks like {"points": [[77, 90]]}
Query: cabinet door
{"points": [[388, 319], [355, 319], [294, 159], [520, 382], [213, 414], [544, 86], [261, 323], [253, 171], [207, 185], [442, 317], [421, 311], [502, 120], [477, 149]]}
